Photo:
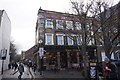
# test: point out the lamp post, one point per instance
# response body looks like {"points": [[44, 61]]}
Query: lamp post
{"points": [[41, 52]]}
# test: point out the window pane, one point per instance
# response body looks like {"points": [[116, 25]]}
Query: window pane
{"points": [[78, 25], [49, 23], [69, 25], [59, 24], [60, 40], [48, 39], [70, 41], [79, 40], [88, 27]]}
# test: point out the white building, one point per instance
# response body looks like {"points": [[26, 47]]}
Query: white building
{"points": [[5, 33]]}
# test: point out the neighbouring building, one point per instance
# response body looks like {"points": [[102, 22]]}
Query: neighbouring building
{"points": [[108, 33], [5, 31]]}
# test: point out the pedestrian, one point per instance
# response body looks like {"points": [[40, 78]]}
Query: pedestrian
{"points": [[113, 72], [12, 65], [34, 66], [16, 66], [21, 70], [110, 70], [9, 66], [107, 69]]}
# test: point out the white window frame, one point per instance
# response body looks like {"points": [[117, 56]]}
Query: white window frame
{"points": [[51, 24], [62, 40], [88, 27], [69, 25], [69, 41], [46, 39], [79, 40], [59, 24], [78, 25]]}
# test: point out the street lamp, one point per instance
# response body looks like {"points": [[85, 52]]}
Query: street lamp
{"points": [[41, 52]]}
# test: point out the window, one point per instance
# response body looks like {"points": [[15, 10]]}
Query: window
{"points": [[59, 24], [91, 42], [70, 41], [115, 30], [87, 27], [79, 39], [49, 39], [41, 19], [60, 39], [49, 23], [99, 29], [77, 25], [69, 25]]}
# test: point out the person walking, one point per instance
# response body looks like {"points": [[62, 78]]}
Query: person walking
{"points": [[9, 66], [110, 70], [113, 71], [107, 69], [34, 66], [21, 70], [16, 66]]}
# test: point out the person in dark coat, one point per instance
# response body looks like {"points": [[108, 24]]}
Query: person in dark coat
{"points": [[16, 66], [9, 66], [113, 71], [110, 70], [34, 66], [21, 70]]}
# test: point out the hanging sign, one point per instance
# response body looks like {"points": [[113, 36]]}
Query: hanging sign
{"points": [[41, 52], [3, 54]]}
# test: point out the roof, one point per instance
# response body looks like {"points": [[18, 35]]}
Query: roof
{"points": [[32, 50]]}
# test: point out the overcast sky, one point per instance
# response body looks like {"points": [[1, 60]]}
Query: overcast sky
{"points": [[23, 16]]}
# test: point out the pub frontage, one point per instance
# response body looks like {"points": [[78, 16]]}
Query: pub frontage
{"points": [[64, 57]]}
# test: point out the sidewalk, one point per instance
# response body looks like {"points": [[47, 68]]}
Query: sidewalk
{"points": [[8, 75], [59, 74], [67, 74]]}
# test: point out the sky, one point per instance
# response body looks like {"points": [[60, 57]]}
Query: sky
{"points": [[23, 17]]}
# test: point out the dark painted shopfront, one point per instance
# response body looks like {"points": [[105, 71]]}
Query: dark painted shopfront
{"points": [[66, 56]]}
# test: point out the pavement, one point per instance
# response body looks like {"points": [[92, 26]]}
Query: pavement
{"points": [[49, 74]]}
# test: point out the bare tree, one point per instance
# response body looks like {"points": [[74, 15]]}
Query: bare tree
{"points": [[99, 24], [106, 26], [82, 12]]}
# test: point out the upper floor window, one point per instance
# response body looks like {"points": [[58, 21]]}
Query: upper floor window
{"points": [[59, 24], [87, 27], [99, 29], [79, 40], [48, 39], [115, 30], [60, 39], [49, 23], [69, 25], [69, 40], [77, 25], [91, 42]]}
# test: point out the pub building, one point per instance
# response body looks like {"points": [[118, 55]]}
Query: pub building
{"points": [[59, 36]]}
